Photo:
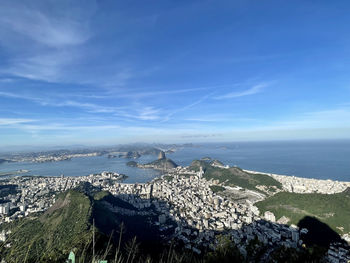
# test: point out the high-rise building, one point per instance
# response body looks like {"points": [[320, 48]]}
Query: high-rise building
{"points": [[270, 216], [200, 173], [22, 207], [5, 209]]}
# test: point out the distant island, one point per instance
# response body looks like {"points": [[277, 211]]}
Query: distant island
{"points": [[3, 161], [162, 163]]}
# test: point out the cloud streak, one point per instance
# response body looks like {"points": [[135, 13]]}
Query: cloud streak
{"points": [[40, 40], [138, 112], [12, 121], [253, 90], [49, 29]]}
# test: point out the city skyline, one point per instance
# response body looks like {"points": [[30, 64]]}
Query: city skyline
{"points": [[108, 72]]}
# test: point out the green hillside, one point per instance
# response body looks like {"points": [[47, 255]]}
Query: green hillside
{"points": [[50, 236], [68, 224], [235, 176], [333, 210]]}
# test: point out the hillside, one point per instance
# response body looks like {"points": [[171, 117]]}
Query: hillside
{"points": [[235, 176], [333, 210], [67, 225], [142, 150], [50, 236], [131, 164], [164, 163]]}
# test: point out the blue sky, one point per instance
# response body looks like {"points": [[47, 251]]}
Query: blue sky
{"points": [[100, 72]]}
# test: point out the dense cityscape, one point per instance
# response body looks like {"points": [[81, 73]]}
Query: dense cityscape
{"points": [[184, 203]]}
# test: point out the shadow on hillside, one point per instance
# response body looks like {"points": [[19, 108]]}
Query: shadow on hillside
{"points": [[157, 230], [113, 211], [150, 220], [319, 233]]}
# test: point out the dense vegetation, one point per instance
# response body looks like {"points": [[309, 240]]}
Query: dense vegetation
{"points": [[235, 176], [217, 188], [50, 236], [333, 210], [68, 226]]}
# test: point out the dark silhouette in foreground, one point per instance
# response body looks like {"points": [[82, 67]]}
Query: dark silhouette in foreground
{"points": [[319, 233], [97, 225]]}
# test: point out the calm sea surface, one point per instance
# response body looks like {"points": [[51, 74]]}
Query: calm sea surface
{"points": [[321, 160]]}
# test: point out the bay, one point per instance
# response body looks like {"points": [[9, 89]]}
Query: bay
{"points": [[310, 159]]}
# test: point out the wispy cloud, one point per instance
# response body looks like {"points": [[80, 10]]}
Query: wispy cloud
{"points": [[219, 119], [54, 103], [45, 28], [12, 121], [141, 94], [138, 112], [187, 107], [253, 90], [47, 67], [40, 41], [149, 113], [20, 96]]}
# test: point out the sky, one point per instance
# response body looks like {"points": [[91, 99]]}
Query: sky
{"points": [[108, 72]]}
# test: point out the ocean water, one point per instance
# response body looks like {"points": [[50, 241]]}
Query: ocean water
{"points": [[85, 166], [310, 159]]}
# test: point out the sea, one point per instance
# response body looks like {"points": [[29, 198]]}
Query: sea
{"points": [[310, 159]]}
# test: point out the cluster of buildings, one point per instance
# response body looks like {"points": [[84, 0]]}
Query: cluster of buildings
{"points": [[301, 185], [305, 185], [36, 194], [56, 157], [182, 201]]}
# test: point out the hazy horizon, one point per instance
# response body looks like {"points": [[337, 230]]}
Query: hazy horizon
{"points": [[52, 147]]}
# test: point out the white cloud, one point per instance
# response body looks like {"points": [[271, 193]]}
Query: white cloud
{"points": [[186, 107], [139, 112], [42, 26], [253, 90], [12, 121], [140, 94], [40, 41], [220, 119], [47, 67], [148, 113]]}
